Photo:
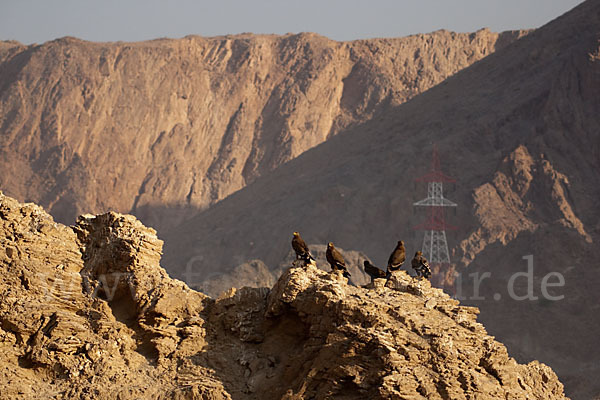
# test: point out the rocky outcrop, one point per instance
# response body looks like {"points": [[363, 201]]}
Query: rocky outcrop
{"points": [[87, 312], [166, 128], [507, 206]]}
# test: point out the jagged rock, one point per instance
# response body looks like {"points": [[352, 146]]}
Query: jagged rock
{"points": [[87, 312]]}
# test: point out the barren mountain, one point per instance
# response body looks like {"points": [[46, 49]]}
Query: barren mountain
{"points": [[520, 130], [167, 127], [88, 313]]}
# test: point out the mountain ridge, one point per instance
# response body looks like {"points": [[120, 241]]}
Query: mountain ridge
{"points": [[183, 123]]}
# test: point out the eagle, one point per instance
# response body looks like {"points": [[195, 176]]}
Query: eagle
{"points": [[373, 271], [301, 249], [335, 259], [420, 265], [397, 258]]}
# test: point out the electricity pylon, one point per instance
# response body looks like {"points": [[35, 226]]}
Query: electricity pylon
{"points": [[435, 245]]}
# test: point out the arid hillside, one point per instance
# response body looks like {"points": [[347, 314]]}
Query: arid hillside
{"points": [[86, 312], [166, 128], [520, 130]]}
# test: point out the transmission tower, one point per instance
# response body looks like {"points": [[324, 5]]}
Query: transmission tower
{"points": [[435, 246]]}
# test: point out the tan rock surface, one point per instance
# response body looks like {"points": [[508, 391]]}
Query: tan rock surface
{"points": [[88, 313], [167, 127], [94, 317]]}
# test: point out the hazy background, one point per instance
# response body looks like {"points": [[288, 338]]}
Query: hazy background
{"points": [[37, 21]]}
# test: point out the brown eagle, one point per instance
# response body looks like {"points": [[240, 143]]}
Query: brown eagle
{"points": [[335, 259], [420, 265], [373, 271], [397, 258], [301, 249]]}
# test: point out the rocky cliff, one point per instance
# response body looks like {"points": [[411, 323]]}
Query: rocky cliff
{"points": [[87, 312], [167, 127]]}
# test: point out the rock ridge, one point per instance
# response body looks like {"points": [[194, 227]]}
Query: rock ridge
{"points": [[87, 312]]}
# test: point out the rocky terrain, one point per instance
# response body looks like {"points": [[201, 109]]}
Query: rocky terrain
{"points": [[519, 130], [297, 132], [86, 312], [165, 128]]}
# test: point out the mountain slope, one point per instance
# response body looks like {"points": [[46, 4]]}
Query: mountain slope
{"points": [[519, 129], [87, 312], [168, 127]]}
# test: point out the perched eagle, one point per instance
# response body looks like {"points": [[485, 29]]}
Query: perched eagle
{"points": [[301, 249], [420, 265], [335, 259], [397, 258], [373, 271]]}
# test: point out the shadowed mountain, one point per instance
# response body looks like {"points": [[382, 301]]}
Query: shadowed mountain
{"points": [[519, 129], [133, 127]]}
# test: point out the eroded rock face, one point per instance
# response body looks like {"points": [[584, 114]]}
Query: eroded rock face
{"points": [[410, 341], [87, 312], [507, 206], [199, 118]]}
